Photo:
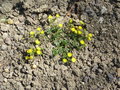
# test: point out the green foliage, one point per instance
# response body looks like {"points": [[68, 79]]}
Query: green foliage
{"points": [[66, 37]]}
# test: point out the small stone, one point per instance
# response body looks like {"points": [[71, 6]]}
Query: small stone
{"points": [[100, 20], [4, 27], [5, 35], [110, 77], [63, 88], [118, 72], [8, 41], [4, 47], [34, 66], [118, 83], [63, 67], [5, 79], [103, 10], [6, 70], [10, 21]]}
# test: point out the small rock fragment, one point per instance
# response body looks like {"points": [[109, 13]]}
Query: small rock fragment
{"points": [[103, 10], [4, 27], [6, 70], [10, 21], [5, 35], [4, 47], [118, 72], [5, 79], [34, 66], [8, 41]]}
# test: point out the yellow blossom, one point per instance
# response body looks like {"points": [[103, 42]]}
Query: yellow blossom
{"points": [[60, 25], [80, 27], [38, 29], [70, 20], [82, 42], [42, 32], [73, 59], [69, 54], [32, 33], [90, 35], [27, 57], [89, 38], [57, 15], [29, 51], [38, 48], [79, 32], [38, 52], [37, 42], [31, 57], [50, 17], [73, 29], [65, 60], [81, 22]]}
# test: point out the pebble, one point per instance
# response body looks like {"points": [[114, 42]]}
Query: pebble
{"points": [[6, 70], [118, 83], [10, 21], [4, 47], [34, 66], [118, 72], [5, 79], [7, 41], [110, 77], [5, 35], [63, 67], [4, 27], [103, 10]]}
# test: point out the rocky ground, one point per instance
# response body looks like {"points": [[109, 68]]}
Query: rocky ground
{"points": [[97, 66]]}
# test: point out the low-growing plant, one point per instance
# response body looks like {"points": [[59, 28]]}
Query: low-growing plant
{"points": [[66, 37]]}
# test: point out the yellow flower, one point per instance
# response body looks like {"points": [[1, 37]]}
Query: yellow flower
{"points": [[38, 29], [70, 20], [60, 25], [81, 22], [80, 27], [69, 54], [38, 52], [31, 57], [29, 51], [37, 42], [89, 38], [82, 42], [38, 48], [65, 60], [79, 32], [90, 35], [57, 15], [42, 32], [73, 29], [73, 59], [32, 33], [27, 57], [50, 17]]}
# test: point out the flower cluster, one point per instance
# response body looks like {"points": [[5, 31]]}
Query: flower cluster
{"points": [[69, 58], [66, 37], [33, 52], [36, 50], [80, 31]]}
